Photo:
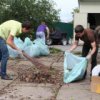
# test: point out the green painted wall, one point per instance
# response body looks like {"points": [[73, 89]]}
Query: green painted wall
{"points": [[65, 27]]}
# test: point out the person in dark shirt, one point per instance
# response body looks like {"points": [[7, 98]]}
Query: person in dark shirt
{"points": [[90, 43]]}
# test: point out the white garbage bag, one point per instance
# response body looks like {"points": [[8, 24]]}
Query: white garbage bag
{"points": [[96, 70]]}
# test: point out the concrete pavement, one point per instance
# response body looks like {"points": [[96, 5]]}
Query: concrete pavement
{"points": [[16, 90]]}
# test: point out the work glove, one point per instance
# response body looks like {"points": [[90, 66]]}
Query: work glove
{"points": [[88, 57]]}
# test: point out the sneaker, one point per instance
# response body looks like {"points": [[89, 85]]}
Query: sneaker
{"points": [[6, 77]]}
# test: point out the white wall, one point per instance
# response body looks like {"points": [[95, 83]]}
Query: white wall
{"points": [[85, 8], [80, 18], [90, 7]]}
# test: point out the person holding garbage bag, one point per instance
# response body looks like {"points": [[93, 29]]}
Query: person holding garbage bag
{"points": [[90, 40], [8, 30]]}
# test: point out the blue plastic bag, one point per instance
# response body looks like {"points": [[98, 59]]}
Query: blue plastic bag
{"points": [[12, 52], [18, 42], [32, 48], [74, 67], [27, 42], [42, 47]]}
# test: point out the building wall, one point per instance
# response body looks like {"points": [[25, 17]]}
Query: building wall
{"points": [[80, 19], [89, 7], [85, 8]]}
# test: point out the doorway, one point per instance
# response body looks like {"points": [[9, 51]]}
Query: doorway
{"points": [[93, 20]]}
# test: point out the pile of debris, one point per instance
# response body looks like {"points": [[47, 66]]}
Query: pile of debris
{"points": [[37, 76]]}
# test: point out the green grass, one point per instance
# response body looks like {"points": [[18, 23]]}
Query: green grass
{"points": [[54, 50], [78, 53]]}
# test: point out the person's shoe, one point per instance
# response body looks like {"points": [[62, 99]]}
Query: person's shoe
{"points": [[6, 77]]}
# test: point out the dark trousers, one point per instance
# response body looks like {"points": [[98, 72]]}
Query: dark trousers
{"points": [[4, 55], [85, 51]]}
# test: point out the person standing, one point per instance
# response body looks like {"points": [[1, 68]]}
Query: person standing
{"points": [[8, 30], [42, 30], [90, 42]]}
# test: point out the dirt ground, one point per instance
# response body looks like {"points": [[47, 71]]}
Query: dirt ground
{"points": [[27, 72]]}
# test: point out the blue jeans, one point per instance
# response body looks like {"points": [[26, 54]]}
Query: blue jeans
{"points": [[40, 35], [4, 55]]}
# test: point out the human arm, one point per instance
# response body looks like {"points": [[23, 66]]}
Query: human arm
{"points": [[93, 44], [74, 46], [48, 32], [10, 42]]}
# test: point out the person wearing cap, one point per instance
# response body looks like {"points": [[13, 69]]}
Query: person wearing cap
{"points": [[8, 30], [90, 43]]}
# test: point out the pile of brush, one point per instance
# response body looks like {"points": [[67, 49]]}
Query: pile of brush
{"points": [[37, 76]]}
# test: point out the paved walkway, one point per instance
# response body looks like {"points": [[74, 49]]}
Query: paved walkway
{"points": [[16, 90]]}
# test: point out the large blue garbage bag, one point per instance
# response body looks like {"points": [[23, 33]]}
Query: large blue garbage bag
{"points": [[74, 67], [32, 48], [36, 48], [27, 42], [43, 48], [12, 52], [18, 42]]}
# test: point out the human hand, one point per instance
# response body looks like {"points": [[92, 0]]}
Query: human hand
{"points": [[20, 53], [88, 57], [68, 51]]}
